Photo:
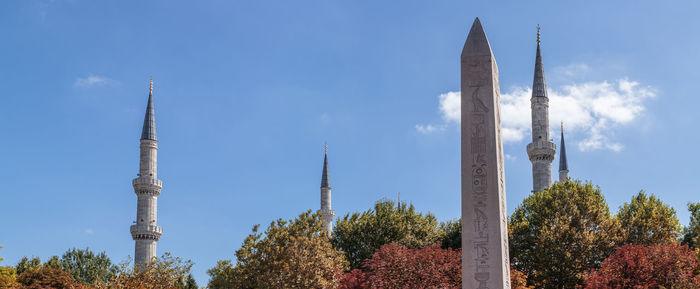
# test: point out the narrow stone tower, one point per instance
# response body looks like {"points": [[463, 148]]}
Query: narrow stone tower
{"points": [[326, 212], [485, 260], [146, 231], [563, 164], [541, 150]]}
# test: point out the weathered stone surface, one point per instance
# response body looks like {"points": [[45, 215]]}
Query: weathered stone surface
{"points": [[485, 261]]}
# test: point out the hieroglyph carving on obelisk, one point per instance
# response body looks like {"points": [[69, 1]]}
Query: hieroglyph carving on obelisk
{"points": [[485, 262]]}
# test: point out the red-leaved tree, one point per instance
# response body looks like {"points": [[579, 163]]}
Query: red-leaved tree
{"points": [[354, 279], [396, 266], [647, 267]]}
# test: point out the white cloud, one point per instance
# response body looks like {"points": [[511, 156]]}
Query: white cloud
{"points": [[592, 109], [92, 80], [89, 231], [450, 106]]}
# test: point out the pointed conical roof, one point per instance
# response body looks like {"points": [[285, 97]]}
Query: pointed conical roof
{"points": [[325, 177], [149, 120], [477, 43], [563, 165], [539, 85]]}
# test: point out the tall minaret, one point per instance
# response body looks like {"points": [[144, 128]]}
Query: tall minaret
{"points": [[326, 212], [563, 165], [146, 231], [541, 150]]}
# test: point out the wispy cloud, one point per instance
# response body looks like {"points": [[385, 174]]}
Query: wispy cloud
{"points": [[573, 71], [593, 109], [429, 128], [89, 231], [93, 80]]}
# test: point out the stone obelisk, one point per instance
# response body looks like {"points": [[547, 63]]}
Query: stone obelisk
{"points": [[485, 262]]}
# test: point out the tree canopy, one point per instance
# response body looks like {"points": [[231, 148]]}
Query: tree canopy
{"points": [[396, 266], [166, 272], [187, 283], [647, 267], [646, 220], [451, 232], [358, 235], [691, 233], [25, 264], [86, 267], [47, 278], [8, 277], [291, 254], [558, 234]]}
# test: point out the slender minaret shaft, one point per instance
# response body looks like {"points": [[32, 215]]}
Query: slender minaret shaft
{"points": [[541, 150], [563, 164], [485, 261], [327, 213], [146, 231]]}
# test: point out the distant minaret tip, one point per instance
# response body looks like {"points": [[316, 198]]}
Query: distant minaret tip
{"points": [[538, 34], [150, 89]]}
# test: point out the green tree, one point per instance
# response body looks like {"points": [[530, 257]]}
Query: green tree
{"points": [[86, 267], [360, 234], [558, 234], [292, 254], [691, 233], [187, 283], [451, 232], [53, 262], [165, 272], [223, 274], [645, 220], [25, 264]]}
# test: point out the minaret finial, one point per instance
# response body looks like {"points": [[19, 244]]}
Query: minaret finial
{"points": [[325, 147], [562, 126], [150, 89], [538, 34]]}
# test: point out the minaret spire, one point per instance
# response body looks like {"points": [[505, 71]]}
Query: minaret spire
{"points": [[327, 214], [539, 85], [149, 120], [541, 150], [147, 187], [563, 165]]}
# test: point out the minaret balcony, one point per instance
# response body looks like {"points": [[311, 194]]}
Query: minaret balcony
{"points": [[148, 181], [327, 212], [541, 150], [147, 185], [146, 232]]}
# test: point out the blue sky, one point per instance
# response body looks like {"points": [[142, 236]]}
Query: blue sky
{"points": [[247, 92]]}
